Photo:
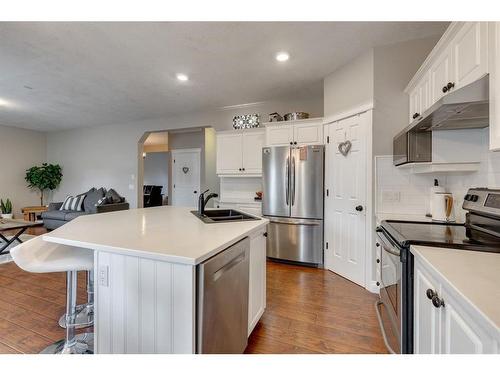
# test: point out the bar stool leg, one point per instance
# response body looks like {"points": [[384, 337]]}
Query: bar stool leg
{"points": [[73, 344], [84, 313]]}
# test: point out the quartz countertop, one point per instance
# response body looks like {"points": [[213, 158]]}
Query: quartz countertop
{"points": [[474, 275], [166, 233]]}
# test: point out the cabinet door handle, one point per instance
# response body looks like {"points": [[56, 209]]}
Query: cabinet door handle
{"points": [[430, 294], [437, 302], [450, 85], [415, 115], [378, 260], [359, 208], [445, 88]]}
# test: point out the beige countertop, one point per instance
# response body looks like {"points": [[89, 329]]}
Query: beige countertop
{"points": [[474, 275], [166, 233]]}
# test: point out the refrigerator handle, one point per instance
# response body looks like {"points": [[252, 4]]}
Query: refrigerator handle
{"points": [[287, 190], [293, 180]]}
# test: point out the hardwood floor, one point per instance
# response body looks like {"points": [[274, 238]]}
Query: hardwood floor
{"points": [[308, 311], [315, 311]]}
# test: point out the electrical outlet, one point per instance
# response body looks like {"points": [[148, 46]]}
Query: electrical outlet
{"points": [[391, 196], [103, 276]]}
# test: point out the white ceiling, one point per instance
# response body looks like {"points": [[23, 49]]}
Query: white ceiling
{"points": [[66, 75]]}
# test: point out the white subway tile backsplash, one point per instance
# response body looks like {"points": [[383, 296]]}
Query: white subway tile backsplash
{"points": [[235, 189], [414, 189]]}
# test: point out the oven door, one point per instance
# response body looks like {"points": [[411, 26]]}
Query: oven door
{"points": [[391, 290]]}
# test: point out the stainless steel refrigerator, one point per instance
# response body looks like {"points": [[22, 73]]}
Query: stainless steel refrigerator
{"points": [[293, 184]]}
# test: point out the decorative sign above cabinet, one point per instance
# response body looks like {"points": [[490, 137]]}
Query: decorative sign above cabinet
{"points": [[246, 121]]}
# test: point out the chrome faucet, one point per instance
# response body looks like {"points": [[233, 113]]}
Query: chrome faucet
{"points": [[202, 201]]}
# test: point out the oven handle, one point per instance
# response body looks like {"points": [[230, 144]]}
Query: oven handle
{"points": [[390, 246], [382, 328]]}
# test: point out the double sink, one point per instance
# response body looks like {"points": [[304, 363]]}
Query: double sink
{"points": [[221, 216]]}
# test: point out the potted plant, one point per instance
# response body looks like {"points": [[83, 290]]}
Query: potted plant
{"points": [[44, 177], [6, 208]]}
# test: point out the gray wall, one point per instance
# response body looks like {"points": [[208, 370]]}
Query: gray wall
{"points": [[394, 66], [20, 149], [107, 155], [349, 86], [156, 169]]}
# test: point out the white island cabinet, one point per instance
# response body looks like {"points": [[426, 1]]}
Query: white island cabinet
{"points": [[145, 266], [456, 301]]}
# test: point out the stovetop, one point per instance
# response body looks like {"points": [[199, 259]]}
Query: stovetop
{"points": [[451, 235]]}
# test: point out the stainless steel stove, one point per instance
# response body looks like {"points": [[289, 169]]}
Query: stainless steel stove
{"points": [[480, 232]]}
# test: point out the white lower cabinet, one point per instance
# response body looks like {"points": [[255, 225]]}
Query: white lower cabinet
{"points": [[426, 323], [257, 279], [444, 322]]}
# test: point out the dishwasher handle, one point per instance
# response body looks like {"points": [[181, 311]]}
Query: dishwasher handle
{"points": [[225, 268]]}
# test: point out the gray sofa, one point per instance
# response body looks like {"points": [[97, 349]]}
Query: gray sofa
{"points": [[96, 201]]}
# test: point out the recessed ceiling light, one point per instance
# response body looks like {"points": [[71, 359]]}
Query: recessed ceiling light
{"points": [[282, 56], [182, 77], [4, 103]]}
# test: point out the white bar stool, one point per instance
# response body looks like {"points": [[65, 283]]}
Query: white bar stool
{"points": [[39, 256], [84, 313]]}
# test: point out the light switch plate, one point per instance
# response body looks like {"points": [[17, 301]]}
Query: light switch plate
{"points": [[103, 276]]}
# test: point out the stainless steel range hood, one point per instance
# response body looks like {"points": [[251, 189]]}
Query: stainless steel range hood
{"points": [[465, 108]]}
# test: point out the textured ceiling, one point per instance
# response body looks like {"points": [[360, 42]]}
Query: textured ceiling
{"points": [[66, 75]]}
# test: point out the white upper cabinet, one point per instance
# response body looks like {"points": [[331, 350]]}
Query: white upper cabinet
{"points": [[440, 74], [470, 53], [300, 132], [459, 58], [279, 135], [420, 98], [494, 69], [239, 152], [308, 134]]}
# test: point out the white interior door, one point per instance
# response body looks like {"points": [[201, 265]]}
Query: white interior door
{"points": [[345, 219], [185, 177]]}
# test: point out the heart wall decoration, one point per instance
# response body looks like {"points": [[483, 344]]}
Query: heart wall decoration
{"points": [[185, 170], [345, 147]]}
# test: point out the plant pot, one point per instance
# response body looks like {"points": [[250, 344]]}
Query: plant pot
{"points": [[7, 216]]}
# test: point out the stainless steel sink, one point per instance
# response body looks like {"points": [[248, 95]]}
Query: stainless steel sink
{"points": [[220, 216]]}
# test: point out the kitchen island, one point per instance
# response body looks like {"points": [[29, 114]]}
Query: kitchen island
{"points": [[145, 262]]}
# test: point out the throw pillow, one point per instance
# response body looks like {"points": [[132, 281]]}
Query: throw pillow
{"points": [[73, 203], [114, 197], [91, 200], [102, 201]]}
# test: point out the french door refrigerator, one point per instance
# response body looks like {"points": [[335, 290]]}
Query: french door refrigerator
{"points": [[293, 184]]}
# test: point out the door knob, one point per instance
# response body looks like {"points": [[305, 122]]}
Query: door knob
{"points": [[437, 302], [359, 208], [430, 293], [195, 192]]}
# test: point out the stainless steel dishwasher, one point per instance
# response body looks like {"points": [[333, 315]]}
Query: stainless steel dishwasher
{"points": [[222, 301]]}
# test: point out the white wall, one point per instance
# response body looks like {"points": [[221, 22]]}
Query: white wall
{"points": [[107, 156], [20, 149], [156, 170]]}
